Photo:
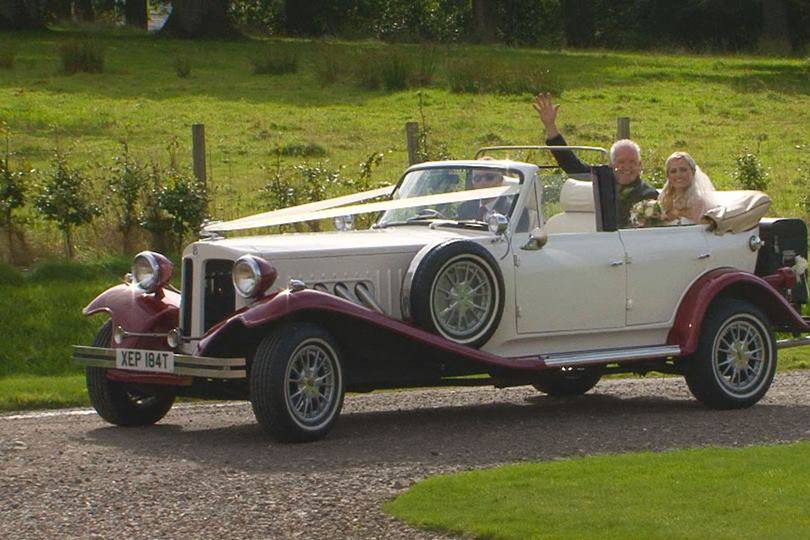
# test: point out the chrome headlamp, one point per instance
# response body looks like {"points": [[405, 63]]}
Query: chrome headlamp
{"points": [[252, 276], [151, 271]]}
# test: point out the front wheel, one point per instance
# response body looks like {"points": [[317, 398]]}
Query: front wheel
{"points": [[735, 360], [573, 381], [296, 383], [125, 404]]}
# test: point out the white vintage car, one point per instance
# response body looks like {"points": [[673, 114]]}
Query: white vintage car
{"points": [[467, 271]]}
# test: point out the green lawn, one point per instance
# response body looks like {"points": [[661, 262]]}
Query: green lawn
{"points": [[713, 106], [23, 392], [754, 492]]}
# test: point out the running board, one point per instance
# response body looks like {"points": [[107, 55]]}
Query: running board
{"points": [[610, 355]]}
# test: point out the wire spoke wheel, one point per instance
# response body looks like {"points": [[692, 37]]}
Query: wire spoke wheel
{"points": [[462, 298], [738, 356], [310, 381]]}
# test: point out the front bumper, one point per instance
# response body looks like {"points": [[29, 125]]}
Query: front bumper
{"points": [[184, 364]]}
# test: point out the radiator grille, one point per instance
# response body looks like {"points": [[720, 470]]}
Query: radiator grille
{"points": [[219, 298], [186, 296]]}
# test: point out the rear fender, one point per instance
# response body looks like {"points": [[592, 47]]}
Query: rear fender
{"points": [[137, 311], [729, 282]]}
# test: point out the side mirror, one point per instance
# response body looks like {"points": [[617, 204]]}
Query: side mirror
{"points": [[537, 239], [497, 223]]}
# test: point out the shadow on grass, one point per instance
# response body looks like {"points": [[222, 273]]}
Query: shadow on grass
{"points": [[535, 429]]}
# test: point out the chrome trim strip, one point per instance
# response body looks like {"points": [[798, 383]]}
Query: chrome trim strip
{"points": [[795, 342], [612, 355], [184, 364]]}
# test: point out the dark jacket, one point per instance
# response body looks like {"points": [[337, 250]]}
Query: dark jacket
{"points": [[632, 193], [470, 209]]}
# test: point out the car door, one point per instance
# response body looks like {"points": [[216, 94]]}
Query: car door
{"points": [[661, 264], [575, 282]]}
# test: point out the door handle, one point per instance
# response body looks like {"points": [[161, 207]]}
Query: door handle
{"points": [[616, 263], [704, 256]]}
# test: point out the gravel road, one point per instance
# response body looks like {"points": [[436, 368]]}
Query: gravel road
{"points": [[207, 471]]}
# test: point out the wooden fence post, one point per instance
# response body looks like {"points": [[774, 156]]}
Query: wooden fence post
{"points": [[623, 128], [412, 136], [198, 151]]}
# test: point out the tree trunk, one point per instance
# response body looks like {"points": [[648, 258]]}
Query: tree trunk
{"points": [[21, 15], [200, 19], [578, 22], [84, 10], [485, 24], [775, 37], [68, 244], [135, 14]]}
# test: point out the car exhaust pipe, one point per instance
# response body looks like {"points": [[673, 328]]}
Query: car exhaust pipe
{"points": [[795, 342]]}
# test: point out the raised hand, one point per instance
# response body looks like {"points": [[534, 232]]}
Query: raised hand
{"points": [[545, 107]]}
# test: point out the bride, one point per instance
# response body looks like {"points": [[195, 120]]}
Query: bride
{"points": [[688, 192]]}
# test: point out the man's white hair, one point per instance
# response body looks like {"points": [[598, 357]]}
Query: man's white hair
{"points": [[624, 143]]}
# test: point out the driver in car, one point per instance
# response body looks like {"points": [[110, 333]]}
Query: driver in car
{"points": [[481, 208]]}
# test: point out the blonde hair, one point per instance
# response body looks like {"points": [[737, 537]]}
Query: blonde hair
{"points": [[669, 198]]}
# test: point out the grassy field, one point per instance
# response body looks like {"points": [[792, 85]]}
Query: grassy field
{"points": [[713, 106], [754, 492]]}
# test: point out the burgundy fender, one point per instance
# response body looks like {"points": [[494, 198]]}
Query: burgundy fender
{"points": [[286, 304], [689, 318], [136, 311]]}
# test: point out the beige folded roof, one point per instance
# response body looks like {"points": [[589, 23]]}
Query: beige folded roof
{"points": [[737, 211]]}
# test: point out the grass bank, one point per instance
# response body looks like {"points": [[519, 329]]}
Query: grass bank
{"points": [[754, 492], [26, 392]]}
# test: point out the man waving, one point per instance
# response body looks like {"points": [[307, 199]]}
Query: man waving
{"points": [[625, 162]]}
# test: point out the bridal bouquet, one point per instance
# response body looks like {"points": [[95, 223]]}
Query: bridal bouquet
{"points": [[647, 213]]}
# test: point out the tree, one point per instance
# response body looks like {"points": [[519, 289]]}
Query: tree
{"points": [[135, 14], [85, 10], [22, 14], [775, 37], [485, 22], [65, 200], [200, 19]]}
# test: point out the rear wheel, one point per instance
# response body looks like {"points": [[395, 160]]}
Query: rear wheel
{"points": [[296, 383], [735, 360], [125, 404], [573, 381]]}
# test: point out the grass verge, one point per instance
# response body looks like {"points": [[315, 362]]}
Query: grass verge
{"points": [[752, 492], [26, 392]]}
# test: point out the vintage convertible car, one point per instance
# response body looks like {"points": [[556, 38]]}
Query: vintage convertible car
{"points": [[476, 272]]}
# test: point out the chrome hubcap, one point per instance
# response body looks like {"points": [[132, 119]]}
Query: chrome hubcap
{"points": [[462, 298], [740, 356], [310, 382]]}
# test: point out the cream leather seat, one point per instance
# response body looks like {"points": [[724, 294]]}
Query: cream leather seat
{"points": [[578, 215]]}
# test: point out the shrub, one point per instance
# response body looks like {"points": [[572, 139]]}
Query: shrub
{"points": [[328, 65], [180, 204], [79, 56], [750, 173], [301, 150], [369, 74], [182, 66], [125, 187], [426, 65], [275, 61], [152, 218], [66, 200], [397, 72], [493, 76], [8, 54], [12, 197]]}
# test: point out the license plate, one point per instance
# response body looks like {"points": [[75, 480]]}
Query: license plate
{"points": [[145, 360]]}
